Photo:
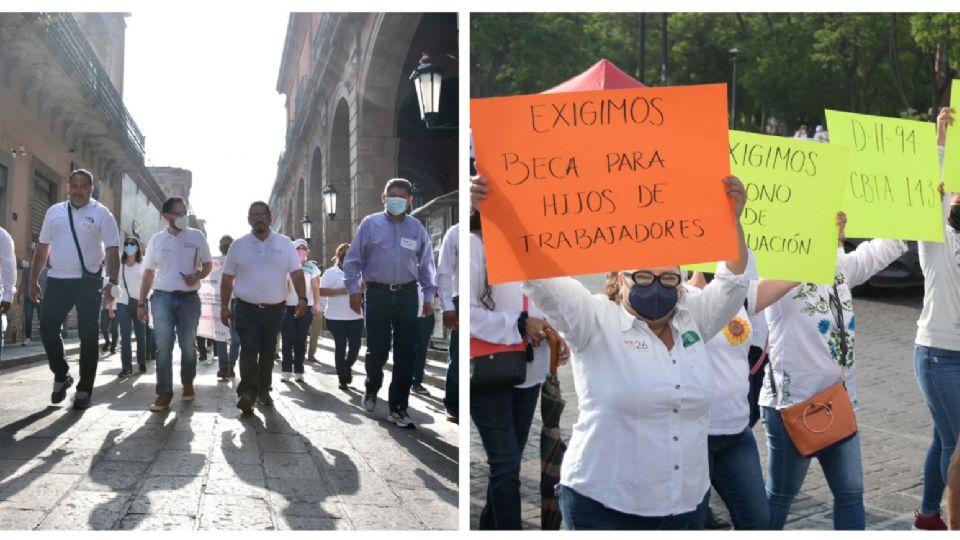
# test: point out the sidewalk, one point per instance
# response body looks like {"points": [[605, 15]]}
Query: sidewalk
{"points": [[15, 354]]}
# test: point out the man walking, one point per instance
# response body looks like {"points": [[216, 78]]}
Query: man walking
{"points": [[82, 235], [177, 259], [8, 277], [256, 269], [448, 282], [28, 306], [227, 354], [391, 252]]}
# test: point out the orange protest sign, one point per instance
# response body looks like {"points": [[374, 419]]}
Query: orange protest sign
{"points": [[589, 182]]}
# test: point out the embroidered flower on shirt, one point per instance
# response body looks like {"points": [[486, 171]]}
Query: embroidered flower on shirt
{"points": [[737, 331], [823, 326]]}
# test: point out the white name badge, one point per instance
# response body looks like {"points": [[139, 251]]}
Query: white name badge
{"points": [[408, 243]]}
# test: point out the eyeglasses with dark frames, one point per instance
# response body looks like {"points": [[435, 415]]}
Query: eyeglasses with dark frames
{"points": [[645, 278]]}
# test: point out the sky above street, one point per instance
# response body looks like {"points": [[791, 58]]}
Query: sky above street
{"points": [[202, 88]]}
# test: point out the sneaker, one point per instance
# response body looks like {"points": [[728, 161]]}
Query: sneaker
{"points": [[223, 374], [162, 403], [286, 376], [932, 522], [188, 393], [81, 400], [126, 372], [401, 419], [298, 377], [419, 389], [369, 402], [265, 400], [60, 389], [26, 342], [245, 404]]}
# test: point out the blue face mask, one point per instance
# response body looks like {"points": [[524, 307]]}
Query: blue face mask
{"points": [[130, 250], [653, 301], [396, 205]]}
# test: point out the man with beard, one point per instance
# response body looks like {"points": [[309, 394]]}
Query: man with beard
{"points": [[256, 269]]}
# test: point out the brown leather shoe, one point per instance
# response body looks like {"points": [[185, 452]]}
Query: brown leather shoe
{"points": [[188, 393], [162, 403]]}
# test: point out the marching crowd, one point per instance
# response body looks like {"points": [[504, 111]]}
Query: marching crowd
{"points": [[662, 365], [385, 281]]}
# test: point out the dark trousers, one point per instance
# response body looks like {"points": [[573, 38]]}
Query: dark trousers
{"points": [[391, 311], [108, 327], [127, 315], [451, 395], [60, 297], [424, 331], [345, 333], [503, 417], [227, 355], [294, 346], [28, 308], [258, 329]]}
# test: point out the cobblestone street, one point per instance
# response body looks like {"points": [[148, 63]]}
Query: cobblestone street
{"points": [[894, 422], [316, 460]]}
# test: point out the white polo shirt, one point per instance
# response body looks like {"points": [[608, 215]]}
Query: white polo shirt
{"points": [[96, 230], [260, 268], [173, 256]]}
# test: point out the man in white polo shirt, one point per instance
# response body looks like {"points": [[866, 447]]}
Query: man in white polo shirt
{"points": [[255, 270], [78, 237], [178, 257], [8, 276]]}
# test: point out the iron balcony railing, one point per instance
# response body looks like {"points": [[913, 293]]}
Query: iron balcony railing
{"points": [[63, 34]]}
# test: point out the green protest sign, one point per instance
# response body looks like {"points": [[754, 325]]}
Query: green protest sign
{"points": [[951, 158], [891, 188], [793, 196]]}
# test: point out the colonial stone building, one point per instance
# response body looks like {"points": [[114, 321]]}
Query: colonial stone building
{"points": [[353, 120]]}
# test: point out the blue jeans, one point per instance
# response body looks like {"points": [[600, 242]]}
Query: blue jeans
{"points": [[28, 309], [938, 373], [294, 345], [180, 314], [451, 394], [736, 474], [389, 312], [127, 315], [108, 328], [581, 513], [223, 360], [424, 331], [345, 332], [503, 417], [786, 470]]}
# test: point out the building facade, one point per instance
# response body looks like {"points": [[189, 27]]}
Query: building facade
{"points": [[353, 120]]}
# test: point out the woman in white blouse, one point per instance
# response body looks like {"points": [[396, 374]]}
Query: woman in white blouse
{"points": [[345, 324], [637, 458], [131, 273], [811, 349]]}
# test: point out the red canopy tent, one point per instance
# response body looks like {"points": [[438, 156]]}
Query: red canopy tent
{"points": [[603, 75]]}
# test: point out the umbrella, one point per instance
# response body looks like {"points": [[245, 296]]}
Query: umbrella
{"points": [[552, 446]]}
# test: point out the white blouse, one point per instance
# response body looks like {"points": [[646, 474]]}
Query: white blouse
{"points": [[639, 445], [130, 279], [500, 325], [804, 336]]}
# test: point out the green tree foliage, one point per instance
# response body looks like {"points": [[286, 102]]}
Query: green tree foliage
{"points": [[790, 66]]}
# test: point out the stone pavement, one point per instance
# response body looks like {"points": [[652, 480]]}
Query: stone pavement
{"points": [[895, 428], [316, 460]]}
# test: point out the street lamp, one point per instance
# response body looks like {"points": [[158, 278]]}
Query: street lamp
{"points": [[330, 200], [307, 227], [427, 78], [733, 99]]}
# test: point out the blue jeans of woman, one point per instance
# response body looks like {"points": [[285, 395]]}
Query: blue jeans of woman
{"points": [[736, 474], [581, 513], [127, 315], [424, 331], [786, 470], [938, 374], [503, 417], [345, 332], [294, 345]]}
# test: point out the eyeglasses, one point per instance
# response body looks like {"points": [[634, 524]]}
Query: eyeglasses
{"points": [[645, 279]]}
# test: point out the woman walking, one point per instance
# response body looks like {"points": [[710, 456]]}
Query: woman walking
{"points": [[131, 273], [345, 324]]}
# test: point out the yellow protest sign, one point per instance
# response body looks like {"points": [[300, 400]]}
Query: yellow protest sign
{"points": [[951, 158], [891, 187], [793, 195]]}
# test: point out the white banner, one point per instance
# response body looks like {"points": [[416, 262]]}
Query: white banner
{"points": [[210, 326]]}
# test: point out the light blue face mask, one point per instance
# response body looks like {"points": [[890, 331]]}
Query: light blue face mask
{"points": [[396, 205], [130, 250]]}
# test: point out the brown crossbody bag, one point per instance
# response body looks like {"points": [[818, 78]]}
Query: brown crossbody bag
{"points": [[827, 418]]}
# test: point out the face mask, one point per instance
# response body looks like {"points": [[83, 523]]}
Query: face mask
{"points": [[395, 205], [954, 218], [130, 250], [181, 223], [653, 301], [302, 255]]}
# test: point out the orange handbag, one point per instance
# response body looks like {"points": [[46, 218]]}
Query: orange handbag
{"points": [[822, 421]]}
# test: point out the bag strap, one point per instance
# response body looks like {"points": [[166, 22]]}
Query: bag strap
{"points": [[123, 272], [526, 303], [76, 242], [756, 367]]}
